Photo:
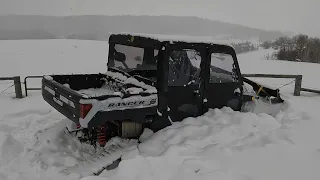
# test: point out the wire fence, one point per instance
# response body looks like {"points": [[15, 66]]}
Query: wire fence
{"points": [[5, 82], [11, 82], [6, 89], [287, 84]]}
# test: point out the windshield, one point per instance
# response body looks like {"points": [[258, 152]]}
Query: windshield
{"points": [[135, 58]]}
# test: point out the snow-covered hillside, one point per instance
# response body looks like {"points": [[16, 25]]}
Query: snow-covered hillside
{"points": [[222, 144]]}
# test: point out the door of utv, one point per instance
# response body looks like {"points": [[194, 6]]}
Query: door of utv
{"points": [[223, 86], [184, 93]]}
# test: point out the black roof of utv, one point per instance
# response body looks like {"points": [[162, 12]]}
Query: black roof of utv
{"points": [[157, 41]]}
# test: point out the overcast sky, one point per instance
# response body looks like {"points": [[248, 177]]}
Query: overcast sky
{"points": [[285, 15]]}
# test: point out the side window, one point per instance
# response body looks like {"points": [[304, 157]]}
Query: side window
{"points": [[184, 67], [222, 68]]}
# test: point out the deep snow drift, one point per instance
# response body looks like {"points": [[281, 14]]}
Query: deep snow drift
{"points": [[222, 144], [228, 145]]}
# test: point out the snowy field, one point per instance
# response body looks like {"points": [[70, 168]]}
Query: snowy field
{"points": [[221, 145]]}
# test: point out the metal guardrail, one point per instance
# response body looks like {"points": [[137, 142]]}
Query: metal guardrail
{"points": [[16, 83], [311, 90], [26, 85], [298, 80], [297, 89]]}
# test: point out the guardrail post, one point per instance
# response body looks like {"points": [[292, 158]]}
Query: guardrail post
{"points": [[25, 86], [17, 86], [297, 87]]}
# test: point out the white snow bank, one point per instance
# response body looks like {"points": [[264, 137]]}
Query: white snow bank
{"points": [[171, 152], [215, 127], [224, 144], [55, 148], [10, 148], [262, 105], [147, 133], [51, 153]]}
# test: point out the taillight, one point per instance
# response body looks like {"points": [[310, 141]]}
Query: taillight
{"points": [[84, 110]]}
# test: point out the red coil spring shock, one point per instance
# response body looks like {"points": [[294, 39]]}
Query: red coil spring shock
{"points": [[102, 135]]}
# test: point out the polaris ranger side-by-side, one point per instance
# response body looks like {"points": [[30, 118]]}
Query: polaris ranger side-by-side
{"points": [[150, 83]]}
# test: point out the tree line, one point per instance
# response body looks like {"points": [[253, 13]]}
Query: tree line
{"points": [[244, 47], [300, 48]]}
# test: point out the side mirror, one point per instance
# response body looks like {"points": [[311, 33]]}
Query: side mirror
{"points": [[118, 56]]}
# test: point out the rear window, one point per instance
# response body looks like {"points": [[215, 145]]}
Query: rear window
{"points": [[134, 56]]}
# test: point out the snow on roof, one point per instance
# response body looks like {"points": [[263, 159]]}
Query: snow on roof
{"points": [[180, 38]]}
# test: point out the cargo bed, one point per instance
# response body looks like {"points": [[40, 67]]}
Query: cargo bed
{"points": [[92, 99]]}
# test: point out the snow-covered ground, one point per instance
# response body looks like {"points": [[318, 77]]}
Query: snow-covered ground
{"points": [[254, 63], [222, 144]]}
